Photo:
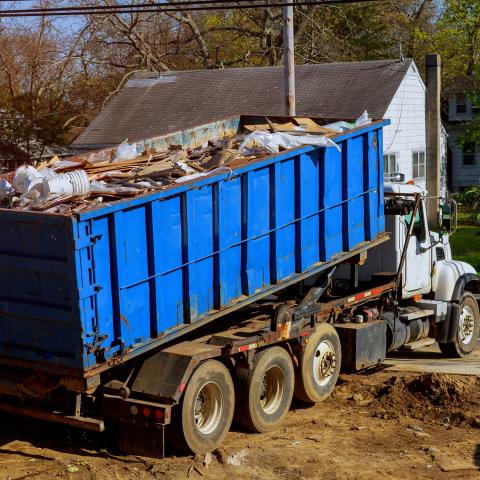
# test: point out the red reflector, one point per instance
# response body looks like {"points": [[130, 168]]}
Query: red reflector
{"points": [[376, 290], [158, 415], [146, 412], [181, 388], [358, 296], [243, 348]]}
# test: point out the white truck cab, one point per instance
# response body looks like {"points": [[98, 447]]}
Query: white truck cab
{"points": [[429, 266], [431, 280]]}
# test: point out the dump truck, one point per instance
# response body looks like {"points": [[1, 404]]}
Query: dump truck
{"points": [[219, 299]]}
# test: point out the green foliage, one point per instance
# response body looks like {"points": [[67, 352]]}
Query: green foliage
{"points": [[470, 203], [457, 38], [465, 245], [470, 196]]}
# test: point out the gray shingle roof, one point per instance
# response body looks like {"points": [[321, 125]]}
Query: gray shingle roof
{"points": [[153, 104]]}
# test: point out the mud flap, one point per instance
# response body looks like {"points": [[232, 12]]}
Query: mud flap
{"points": [[144, 440], [165, 374], [446, 330]]}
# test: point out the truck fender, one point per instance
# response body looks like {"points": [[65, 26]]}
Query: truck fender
{"points": [[447, 330], [165, 374], [467, 281], [447, 280]]}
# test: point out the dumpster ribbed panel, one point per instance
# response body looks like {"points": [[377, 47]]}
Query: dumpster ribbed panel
{"points": [[39, 318]]}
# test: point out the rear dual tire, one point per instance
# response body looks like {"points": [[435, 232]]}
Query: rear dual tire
{"points": [[206, 411], [319, 366], [264, 394]]}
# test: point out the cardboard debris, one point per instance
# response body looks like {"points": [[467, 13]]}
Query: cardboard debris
{"points": [[83, 182]]}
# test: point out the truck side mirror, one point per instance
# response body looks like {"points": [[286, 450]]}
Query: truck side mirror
{"points": [[445, 217], [448, 213]]}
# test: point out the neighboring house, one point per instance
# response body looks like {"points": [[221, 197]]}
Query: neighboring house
{"points": [[11, 157], [154, 104], [464, 157]]}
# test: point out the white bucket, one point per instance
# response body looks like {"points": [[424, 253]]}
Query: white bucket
{"points": [[48, 173], [79, 180], [25, 175], [69, 183]]}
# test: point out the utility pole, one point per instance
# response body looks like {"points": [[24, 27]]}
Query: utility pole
{"points": [[289, 58], [433, 132]]}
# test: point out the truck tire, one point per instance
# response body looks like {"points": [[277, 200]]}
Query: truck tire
{"points": [[204, 416], [264, 394], [319, 367], [467, 334]]}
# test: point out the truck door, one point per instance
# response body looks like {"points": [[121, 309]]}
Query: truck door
{"points": [[418, 264]]}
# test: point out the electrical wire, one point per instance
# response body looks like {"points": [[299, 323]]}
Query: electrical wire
{"points": [[200, 5]]}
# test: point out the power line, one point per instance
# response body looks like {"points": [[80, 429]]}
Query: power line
{"points": [[199, 5]]}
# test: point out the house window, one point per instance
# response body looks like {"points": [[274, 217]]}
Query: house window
{"points": [[469, 153], [418, 164], [461, 104], [390, 164], [476, 105]]}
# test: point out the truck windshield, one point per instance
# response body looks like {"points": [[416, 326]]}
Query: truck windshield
{"points": [[418, 226]]}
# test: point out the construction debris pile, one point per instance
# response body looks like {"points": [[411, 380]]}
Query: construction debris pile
{"points": [[80, 183]]}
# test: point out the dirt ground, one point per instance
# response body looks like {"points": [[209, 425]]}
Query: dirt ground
{"points": [[376, 426]]}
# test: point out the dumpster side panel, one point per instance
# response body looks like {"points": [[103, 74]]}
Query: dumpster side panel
{"points": [[284, 218], [199, 235], [353, 185], [308, 207], [172, 259], [229, 228], [256, 238], [331, 197], [167, 273], [39, 318], [377, 147]]}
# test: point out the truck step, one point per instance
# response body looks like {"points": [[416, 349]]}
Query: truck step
{"points": [[425, 342], [408, 316]]}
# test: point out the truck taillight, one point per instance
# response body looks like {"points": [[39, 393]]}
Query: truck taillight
{"points": [[146, 412], [158, 415], [134, 410]]}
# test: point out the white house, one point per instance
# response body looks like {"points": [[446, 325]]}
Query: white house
{"points": [[152, 104], [404, 143], [464, 156]]}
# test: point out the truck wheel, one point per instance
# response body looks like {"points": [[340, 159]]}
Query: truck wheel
{"points": [[468, 329], [205, 414], [319, 367], [264, 393]]}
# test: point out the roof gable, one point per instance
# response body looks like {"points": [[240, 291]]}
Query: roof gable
{"points": [[152, 104]]}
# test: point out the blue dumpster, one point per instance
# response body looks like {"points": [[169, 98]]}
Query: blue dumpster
{"points": [[80, 293]]}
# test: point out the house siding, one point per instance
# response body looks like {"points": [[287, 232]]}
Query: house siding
{"points": [[462, 175], [406, 134]]}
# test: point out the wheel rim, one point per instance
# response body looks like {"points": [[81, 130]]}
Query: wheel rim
{"points": [[466, 325], [271, 393], [208, 408], [324, 362]]}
